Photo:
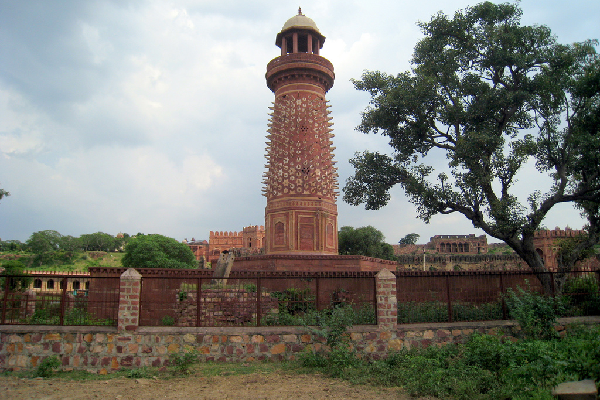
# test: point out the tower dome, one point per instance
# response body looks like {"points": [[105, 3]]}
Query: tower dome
{"points": [[305, 27], [300, 21]]}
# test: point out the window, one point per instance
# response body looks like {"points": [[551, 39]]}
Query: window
{"points": [[50, 284], [37, 284]]}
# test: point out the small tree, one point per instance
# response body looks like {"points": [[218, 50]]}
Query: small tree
{"points": [[364, 241], [157, 251]]}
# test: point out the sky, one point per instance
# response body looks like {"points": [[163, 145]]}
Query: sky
{"points": [[151, 116]]}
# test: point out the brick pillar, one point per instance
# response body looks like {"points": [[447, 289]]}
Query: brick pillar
{"points": [[129, 300], [387, 304]]}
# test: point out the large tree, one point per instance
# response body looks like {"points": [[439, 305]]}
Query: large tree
{"points": [[157, 251], [490, 95], [365, 241]]}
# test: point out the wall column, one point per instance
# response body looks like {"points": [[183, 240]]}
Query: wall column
{"points": [[387, 303], [129, 300]]}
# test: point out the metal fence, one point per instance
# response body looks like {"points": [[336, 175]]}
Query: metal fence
{"points": [[480, 295], [255, 299], [94, 303]]}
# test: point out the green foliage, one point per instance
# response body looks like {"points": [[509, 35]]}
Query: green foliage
{"points": [[17, 283], [535, 313], [143, 372], [182, 362], [582, 295], [98, 241], [364, 241], [47, 367], [157, 251], [3, 193], [167, 320], [491, 95], [485, 368], [293, 300], [435, 311], [411, 238], [331, 325]]}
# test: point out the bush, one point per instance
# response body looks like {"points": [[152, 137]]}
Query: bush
{"points": [[182, 362], [47, 367], [582, 295], [536, 314]]}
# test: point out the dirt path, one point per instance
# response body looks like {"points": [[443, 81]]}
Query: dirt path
{"points": [[272, 385]]}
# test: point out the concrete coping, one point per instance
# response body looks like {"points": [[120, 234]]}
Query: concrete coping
{"points": [[131, 274]]}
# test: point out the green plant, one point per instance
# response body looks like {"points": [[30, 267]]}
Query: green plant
{"points": [[536, 314], [331, 324], [182, 295], [250, 287], [582, 295], [167, 320], [47, 367], [137, 373], [294, 301], [182, 362]]}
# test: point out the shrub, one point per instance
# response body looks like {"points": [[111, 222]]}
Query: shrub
{"points": [[47, 367], [536, 314], [182, 362], [582, 295]]}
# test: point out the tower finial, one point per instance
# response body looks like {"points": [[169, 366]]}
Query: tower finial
{"points": [[299, 10]]}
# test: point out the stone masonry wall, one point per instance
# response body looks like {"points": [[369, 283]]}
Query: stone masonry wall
{"points": [[104, 350]]}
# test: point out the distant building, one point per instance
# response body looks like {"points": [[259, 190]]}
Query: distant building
{"points": [[250, 240]]}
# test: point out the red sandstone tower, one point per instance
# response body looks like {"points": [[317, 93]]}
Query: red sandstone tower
{"points": [[301, 178]]}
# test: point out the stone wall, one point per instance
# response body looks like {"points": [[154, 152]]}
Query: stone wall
{"points": [[106, 349]]}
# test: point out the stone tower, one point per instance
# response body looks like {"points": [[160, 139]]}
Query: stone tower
{"points": [[301, 178]]}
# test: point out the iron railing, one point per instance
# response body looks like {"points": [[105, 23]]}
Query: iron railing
{"points": [[480, 295], [94, 302], [255, 299]]}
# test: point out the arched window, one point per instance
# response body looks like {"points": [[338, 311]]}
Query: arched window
{"points": [[37, 284], [87, 285], [62, 285], [76, 285], [50, 284]]}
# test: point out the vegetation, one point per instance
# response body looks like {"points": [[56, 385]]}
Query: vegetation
{"points": [[14, 267], [47, 367], [364, 241], [157, 251], [411, 238], [535, 313], [3, 193], [491, 95]]}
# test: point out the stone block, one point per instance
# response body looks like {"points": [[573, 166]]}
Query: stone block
{"points": [[576, 390]]}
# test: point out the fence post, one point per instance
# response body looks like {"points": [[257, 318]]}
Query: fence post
{"points": [[129, 300], [387, 303]]}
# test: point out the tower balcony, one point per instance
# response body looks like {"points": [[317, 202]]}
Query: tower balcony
{"points": [[300, 67]]}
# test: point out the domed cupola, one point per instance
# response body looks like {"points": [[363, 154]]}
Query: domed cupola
{"points": [[300, 35]]}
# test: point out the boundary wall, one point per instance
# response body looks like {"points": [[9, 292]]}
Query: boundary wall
{"points": [[106, 349]]}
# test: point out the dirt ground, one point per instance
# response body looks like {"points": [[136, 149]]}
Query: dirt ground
{"points": [[272, 385]]}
